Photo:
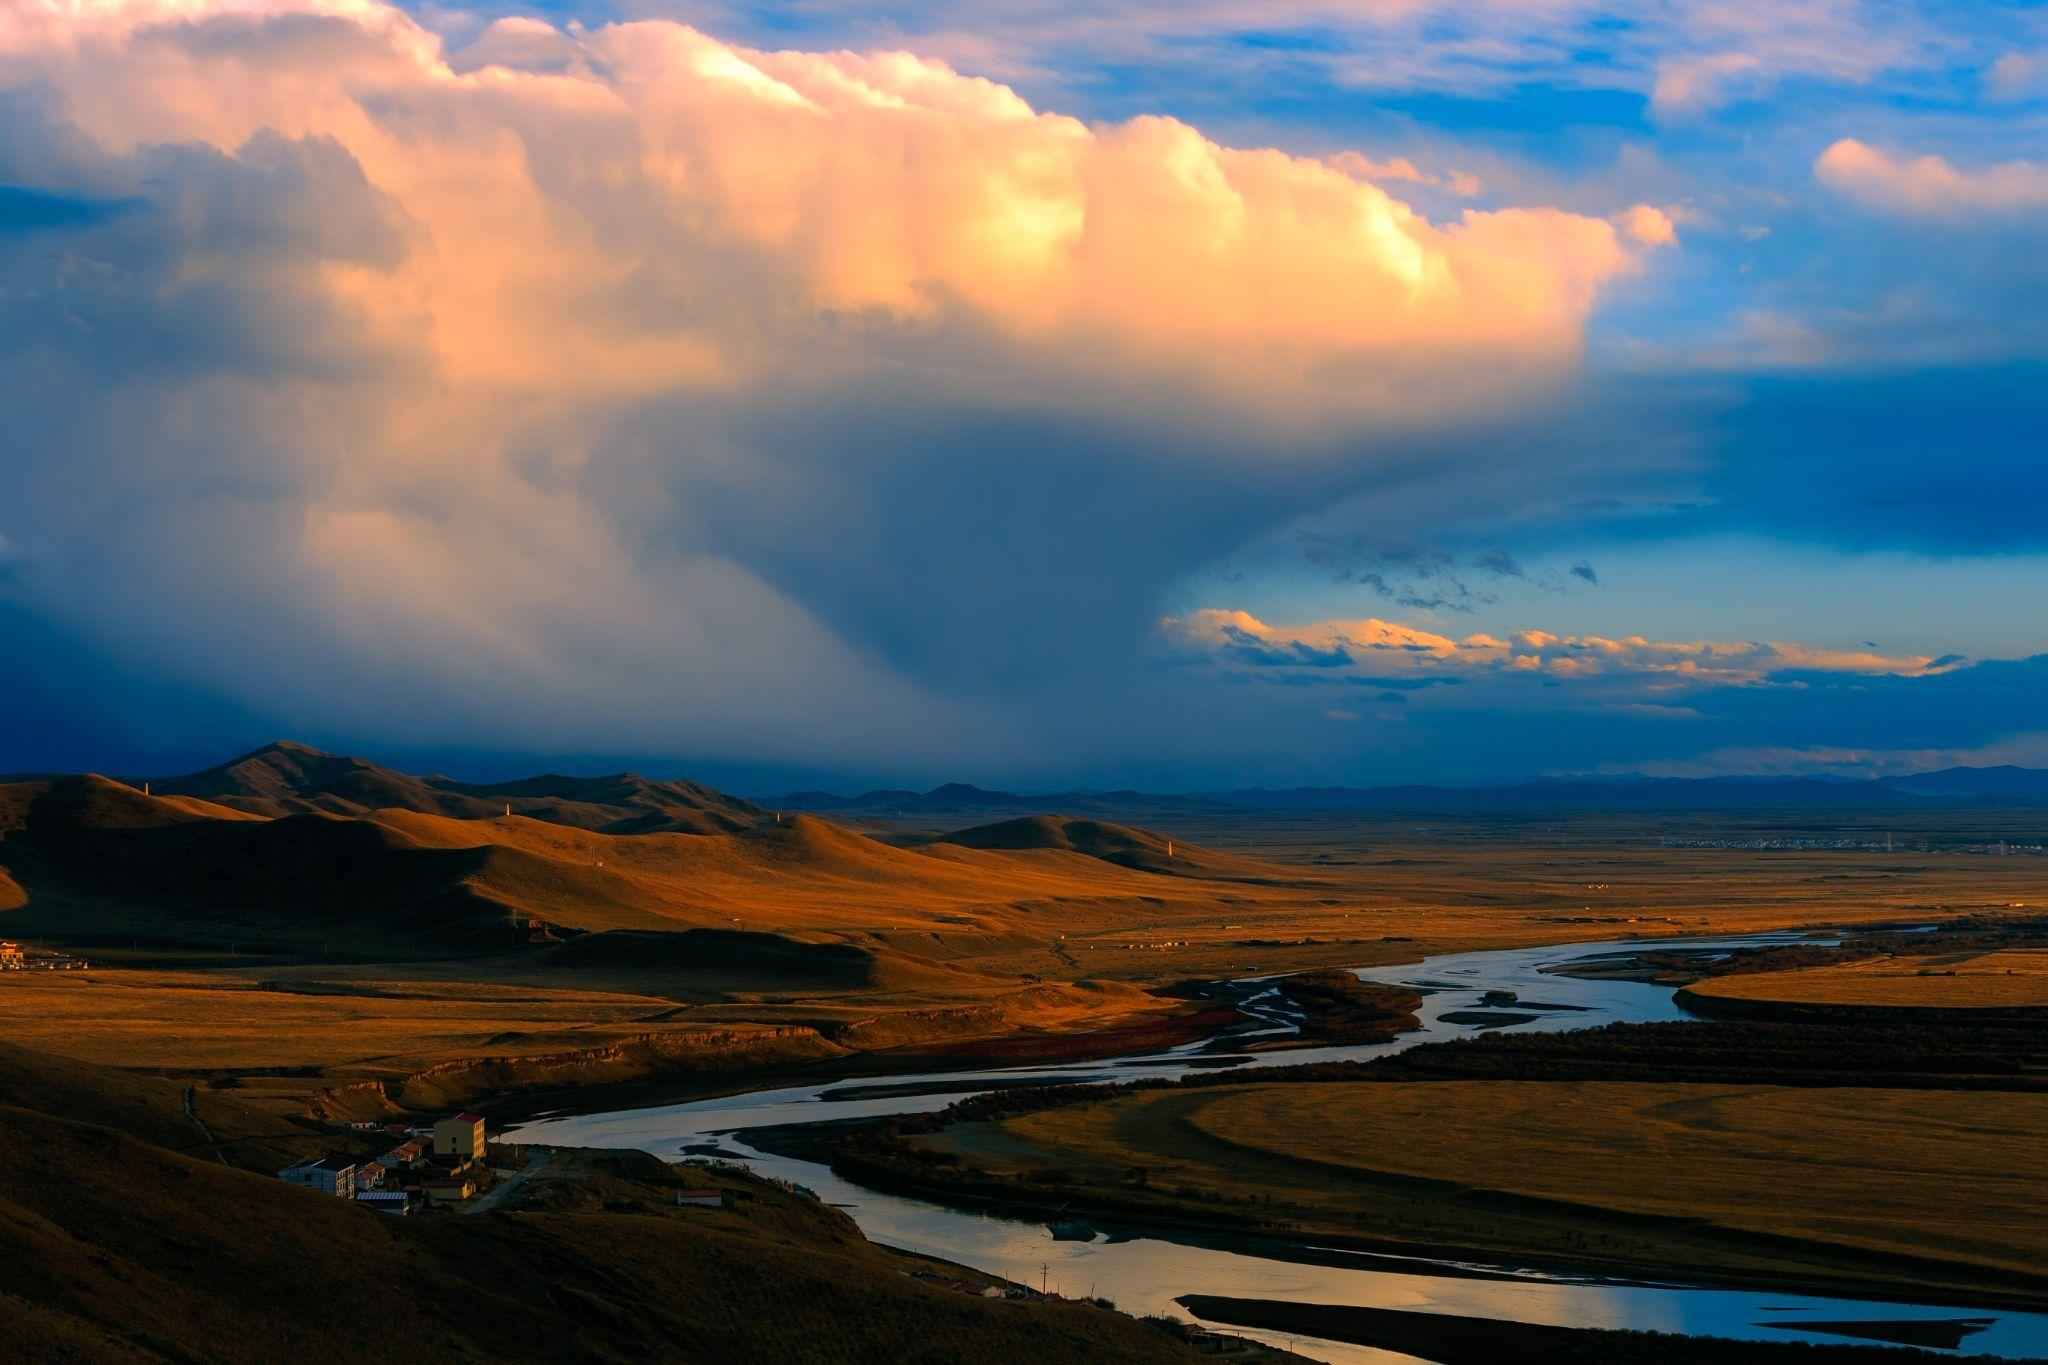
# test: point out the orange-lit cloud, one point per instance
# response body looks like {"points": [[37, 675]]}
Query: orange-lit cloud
{"points": [[1649, 225], [559, 183], [1376, 648]]}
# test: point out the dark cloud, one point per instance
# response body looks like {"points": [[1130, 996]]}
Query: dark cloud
{"points": [[1244, 647], [1585, 571], [24, 209], [1499, 563], [1945, 460], [1407, 576]]}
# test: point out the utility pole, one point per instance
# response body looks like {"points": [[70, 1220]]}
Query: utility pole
{"points": [[1044, 1272]]}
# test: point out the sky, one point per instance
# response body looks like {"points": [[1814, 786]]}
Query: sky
{"points": [[1028, 392]]}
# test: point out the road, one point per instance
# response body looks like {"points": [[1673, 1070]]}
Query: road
{"points": [[537, 1159]]}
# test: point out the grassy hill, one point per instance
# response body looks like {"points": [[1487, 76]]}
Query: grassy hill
{"points": [[1123, 845]]}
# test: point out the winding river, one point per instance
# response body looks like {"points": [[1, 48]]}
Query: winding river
{"points": [[1146, 1275]]}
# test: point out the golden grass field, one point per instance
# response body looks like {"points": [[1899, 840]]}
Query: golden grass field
{"points": [[1948, 1175], [2010, 979], [202, 1021], [947, 930]]}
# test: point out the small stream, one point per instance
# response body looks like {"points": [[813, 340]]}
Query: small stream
{"points": [[1146, 1274]]}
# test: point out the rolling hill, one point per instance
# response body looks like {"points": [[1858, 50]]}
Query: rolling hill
{"points": [[289, 779], [278, 852], [1123, 845]]}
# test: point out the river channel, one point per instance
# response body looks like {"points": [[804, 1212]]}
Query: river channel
{"points": [[1146, 1274]]}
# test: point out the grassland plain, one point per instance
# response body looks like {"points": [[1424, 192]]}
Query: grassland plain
{"points": [[2013, 979], [350, 945], [1907, 1191]]}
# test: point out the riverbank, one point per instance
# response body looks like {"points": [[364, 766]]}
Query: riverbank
{"points": [[1454, 1340], [1224, 1243], [1534, 1143]]}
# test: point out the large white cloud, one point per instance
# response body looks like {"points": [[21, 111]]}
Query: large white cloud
{"points": [[873, 191], [662, 392]]}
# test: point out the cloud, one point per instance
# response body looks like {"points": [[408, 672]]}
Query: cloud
{"points": [[884, 189], [2026, 750], [1378, 647], [1400, 170], [1693, 83], [1585, 572], [1930, 186], [2018, 75], [1688, 56], [1649, 225], [1499, 564], [612, 388]]}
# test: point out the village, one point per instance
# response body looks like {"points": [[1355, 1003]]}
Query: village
{"points": [[448, 1162], [451, 1165], [15, 958]]}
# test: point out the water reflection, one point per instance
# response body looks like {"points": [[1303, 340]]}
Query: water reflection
{"points": [[1146, 1275]]}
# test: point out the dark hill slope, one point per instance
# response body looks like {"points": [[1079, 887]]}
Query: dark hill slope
{"points": [[1123, 845], [152, 1109], [114, 1248], [287, 779], [99, 859]]}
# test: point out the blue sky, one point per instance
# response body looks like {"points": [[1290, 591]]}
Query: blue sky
{"points": [[1453, 390]]}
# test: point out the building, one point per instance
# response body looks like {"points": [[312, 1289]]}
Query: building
{"points": [[700, 1199], [462, 1135], [335, 1175], [386, 1201], [453, 1190], [369, 1176], [408, 1153], [12, 959]]}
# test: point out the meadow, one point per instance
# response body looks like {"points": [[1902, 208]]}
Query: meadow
{"points": [[2013, 979], [1792, 1185]]}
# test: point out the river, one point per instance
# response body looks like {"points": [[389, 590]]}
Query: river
{"points": [[1146, 1274]]}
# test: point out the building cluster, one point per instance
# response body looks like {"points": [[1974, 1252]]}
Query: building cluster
{"points": [[15, 958], [1997, 848], [432, 1165]]}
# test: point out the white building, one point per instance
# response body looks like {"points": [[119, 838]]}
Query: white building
{"points": [[334, 1175]]}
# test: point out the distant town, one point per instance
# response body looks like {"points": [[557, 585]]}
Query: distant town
{"points": [[15, 958], [1997, 848]]}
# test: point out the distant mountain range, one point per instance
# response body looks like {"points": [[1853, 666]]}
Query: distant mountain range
{"points": [[956, 797], [1996, 786]]}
